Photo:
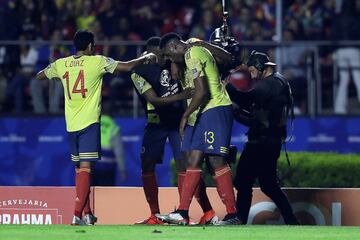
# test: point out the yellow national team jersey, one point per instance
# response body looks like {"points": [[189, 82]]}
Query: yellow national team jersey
{"points": [[142, 86], [188, 83], [200, 63], [81, 78]]}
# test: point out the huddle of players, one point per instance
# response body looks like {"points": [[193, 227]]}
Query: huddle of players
{"points": [[186, 70], [204, 127], [205, 123]]}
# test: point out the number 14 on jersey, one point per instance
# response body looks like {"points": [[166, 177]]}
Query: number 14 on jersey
{"points": [[79, 80]]}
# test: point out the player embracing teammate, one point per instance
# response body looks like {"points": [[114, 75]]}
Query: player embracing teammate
{"points": [[205, 126], [162, 97]]}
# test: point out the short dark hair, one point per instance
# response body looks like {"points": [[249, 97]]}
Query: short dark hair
{"points": [[82, 38], [153, 42], [167, 38]]}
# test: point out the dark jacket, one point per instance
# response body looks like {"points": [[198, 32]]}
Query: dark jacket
{"points": [[268, 104]]}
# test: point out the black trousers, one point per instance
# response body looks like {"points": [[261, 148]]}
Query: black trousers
{"points": [[259, 160]]}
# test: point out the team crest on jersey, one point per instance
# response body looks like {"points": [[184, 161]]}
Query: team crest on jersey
{"points": [[140, 84], [138, 81], [109, 60], [195, 73], [165, 78], [187, 55]]}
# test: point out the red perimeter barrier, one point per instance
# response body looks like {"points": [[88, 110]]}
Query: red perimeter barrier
{"points": [[121, 205]]}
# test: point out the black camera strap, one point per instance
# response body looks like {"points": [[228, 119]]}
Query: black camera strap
{"points": [[289, 110]]}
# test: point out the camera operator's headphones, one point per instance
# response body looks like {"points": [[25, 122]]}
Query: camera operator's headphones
{"points": [[259, 60]]}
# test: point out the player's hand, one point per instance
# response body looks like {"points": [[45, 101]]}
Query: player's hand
{"points": [[183, 123], [150, 58], [186, 93]]}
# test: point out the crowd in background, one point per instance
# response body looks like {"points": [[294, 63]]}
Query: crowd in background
{"points": [[136, 20]]}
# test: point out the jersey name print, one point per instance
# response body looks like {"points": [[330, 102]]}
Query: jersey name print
{"points": [[81, 77]]}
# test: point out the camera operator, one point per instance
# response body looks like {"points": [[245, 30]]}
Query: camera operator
{"points": [[268, 105]]}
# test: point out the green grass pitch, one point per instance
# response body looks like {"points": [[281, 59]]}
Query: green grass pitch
{"points": [[114, 232]]}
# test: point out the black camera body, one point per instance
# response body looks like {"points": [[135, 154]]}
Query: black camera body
{"points": [[223, 40]]}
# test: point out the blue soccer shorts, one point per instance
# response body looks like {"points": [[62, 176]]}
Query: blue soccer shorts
{"points": [[212, 131], [153, 145], [85, 144]]}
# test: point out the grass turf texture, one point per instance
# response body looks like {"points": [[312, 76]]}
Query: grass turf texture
{"points": [[112, 232]]}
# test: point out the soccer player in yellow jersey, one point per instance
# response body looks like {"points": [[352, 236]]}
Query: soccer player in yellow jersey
{"points": [[161, 95], [206, 132], [81, 76]]}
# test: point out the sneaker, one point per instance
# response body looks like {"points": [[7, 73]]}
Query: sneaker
{"points": [[76, 221], [209, 218], [89, 219], [173, 218], [230, 219], [192, 222], [152, 220]]}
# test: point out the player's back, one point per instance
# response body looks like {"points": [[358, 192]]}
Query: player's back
{"points": [[200, 63], [82, 81]]}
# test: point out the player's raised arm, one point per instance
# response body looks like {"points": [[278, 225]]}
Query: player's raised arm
{"points": [[221, 55], [129, 65], [146, 90], [157, 101]]}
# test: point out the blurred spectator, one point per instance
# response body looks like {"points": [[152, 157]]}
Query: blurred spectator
{"points": [[87, 16], [48, 54], [108, 19], [294, 68], [29, 19], [347, 57], [26, 70], [205, 28], [136, 20], [240, 22], [268, 8], [2, 77], [112, 154], [297, 29], [328, 14]]}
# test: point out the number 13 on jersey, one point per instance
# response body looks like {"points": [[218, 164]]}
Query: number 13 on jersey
{"points": [[80, 79]]}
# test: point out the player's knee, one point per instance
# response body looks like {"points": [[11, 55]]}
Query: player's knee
{"points": [[194, 163], [217, 161], [181, 165], [147, 165], [195, 158]]}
